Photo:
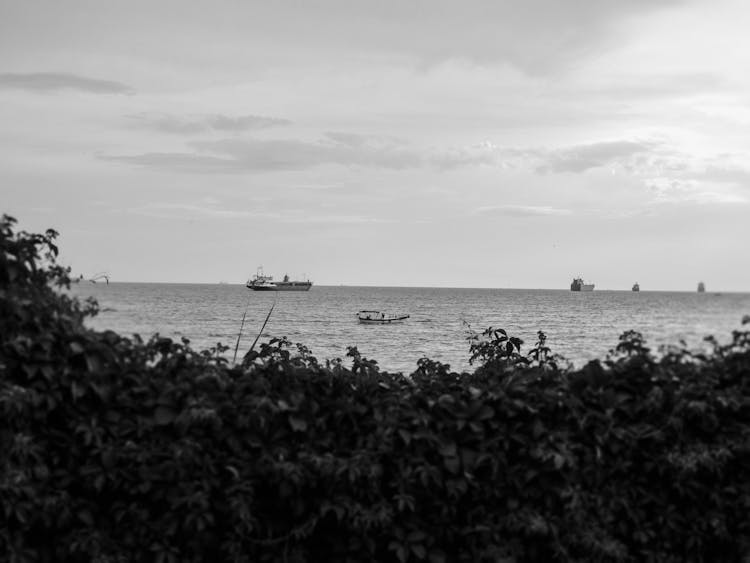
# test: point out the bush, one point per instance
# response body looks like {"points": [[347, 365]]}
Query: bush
{"points": [[117, 449]]}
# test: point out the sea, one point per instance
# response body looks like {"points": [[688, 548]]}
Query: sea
{"points": [[579, 326]]}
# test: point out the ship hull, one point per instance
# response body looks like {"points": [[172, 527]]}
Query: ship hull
{"points": [[281, 287], [584, 287]]}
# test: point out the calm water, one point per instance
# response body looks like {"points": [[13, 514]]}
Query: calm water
{"points": [[580, 326]]}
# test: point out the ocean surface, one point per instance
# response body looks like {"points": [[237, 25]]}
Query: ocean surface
{"points": [[579, 326]]}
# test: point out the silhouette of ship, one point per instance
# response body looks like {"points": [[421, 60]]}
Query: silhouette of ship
{"points": [[262, 282], [701, 287], [636, 287], [578, 285]]}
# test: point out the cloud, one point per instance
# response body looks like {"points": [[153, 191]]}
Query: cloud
{"points": [[649, 86], [335, 219], [183, 162], [209, 208], [204, 208], [580, 158], [265, 155], [55, 81], [206, 123], [237, 155], [522, 210], [481, 154], [257, 154], [728, 174], [682, 190], [537, 36]]}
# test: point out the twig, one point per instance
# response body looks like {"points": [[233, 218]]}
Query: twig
{"points": [[268, 316], [236, 346]]}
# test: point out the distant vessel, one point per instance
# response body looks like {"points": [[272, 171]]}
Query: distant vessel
{"points": [[636, 287], [379, 318], [261, 282], [701, 287], [93, 279], [578, 285]]}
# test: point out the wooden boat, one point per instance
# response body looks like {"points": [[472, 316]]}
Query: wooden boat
{"points": [[379, 318]]}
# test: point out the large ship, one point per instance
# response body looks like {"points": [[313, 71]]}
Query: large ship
{"points": [[636, 287], [261, 282], [701, 287], [578, 285]]}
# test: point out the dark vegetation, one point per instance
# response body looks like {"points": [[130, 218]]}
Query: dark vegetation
{"points": [[116, 449]]}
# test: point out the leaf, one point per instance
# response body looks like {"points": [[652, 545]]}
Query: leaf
{"points": [[76, 390], [448, 450], [452, 464], [48, 372], [86, 517], [416, 536], [298, 424], [405, 436], [93, 363], [559, 460], [164, 415], [486, 412], [109, 459]]}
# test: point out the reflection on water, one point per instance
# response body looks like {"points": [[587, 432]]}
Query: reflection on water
{"points": [[580, 326]]}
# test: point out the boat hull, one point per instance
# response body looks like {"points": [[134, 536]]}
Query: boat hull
{"points": [[383, 321], [281, 286], [584, 287], [368, 317]]}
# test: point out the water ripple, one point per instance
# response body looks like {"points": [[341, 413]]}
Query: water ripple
{"points": [[580, 326]]}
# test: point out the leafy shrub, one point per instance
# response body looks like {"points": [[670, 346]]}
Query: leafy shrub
{"points": [[115, 449]]}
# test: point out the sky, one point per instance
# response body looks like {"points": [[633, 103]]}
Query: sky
{"points": [[508, 144]]}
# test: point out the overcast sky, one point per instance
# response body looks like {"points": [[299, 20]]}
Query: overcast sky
{"points": [[426, 143]]}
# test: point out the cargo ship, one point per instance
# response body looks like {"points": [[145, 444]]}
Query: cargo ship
{"points": [[578, 285], [261, 282]]}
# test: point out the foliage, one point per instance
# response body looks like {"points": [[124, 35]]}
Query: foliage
{"points": [[116, 449]]}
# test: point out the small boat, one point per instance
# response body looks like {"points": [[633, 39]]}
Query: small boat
{"points": [[701, 287], [379, 318], [262, 282], [636, 287], [578, 285]]}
